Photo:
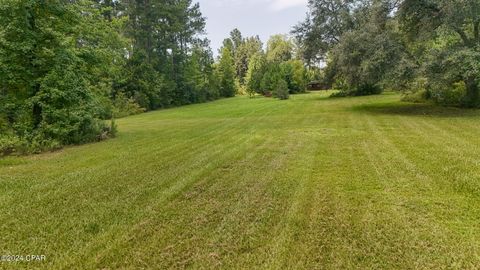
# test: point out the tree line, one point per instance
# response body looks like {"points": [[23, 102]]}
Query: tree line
{"points": [[275, 71], [67, 66], [428, 49]]}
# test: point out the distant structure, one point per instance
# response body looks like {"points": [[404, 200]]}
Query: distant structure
{"points": [[317, 86]]}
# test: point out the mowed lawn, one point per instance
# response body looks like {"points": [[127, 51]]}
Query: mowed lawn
{"points": [[308, 183]]}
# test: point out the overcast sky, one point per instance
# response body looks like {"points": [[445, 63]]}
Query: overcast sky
{"points": [[251, 17]]}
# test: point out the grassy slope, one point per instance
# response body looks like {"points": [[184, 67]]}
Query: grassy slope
{"points": [[239, 183]]}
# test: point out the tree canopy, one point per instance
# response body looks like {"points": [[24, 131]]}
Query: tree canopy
{"points": [[430, 46], [68, 66]]}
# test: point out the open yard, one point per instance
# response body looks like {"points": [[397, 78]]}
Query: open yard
{"points": [[308, 183]]}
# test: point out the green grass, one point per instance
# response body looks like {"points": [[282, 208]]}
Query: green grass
{"points": [[308, 183]]}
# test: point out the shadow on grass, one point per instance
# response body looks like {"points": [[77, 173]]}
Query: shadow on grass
{"points": [[414, 109]]}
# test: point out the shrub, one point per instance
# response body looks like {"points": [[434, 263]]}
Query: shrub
{"points": [[67, 111], [416, 91], [3, 124], [124, 106], [367, 89], [450, 96], [39, 144], [9, 145], [418, 96], [281, 90]]}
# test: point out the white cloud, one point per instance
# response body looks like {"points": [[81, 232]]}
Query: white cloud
{"points": [[273, 5], [278, 5]]}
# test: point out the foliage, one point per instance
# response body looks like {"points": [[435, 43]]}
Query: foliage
{"points": [[366, 57], [373, 45], [450, 95], [10, 144], [144, 84], [51, 68], [242, 50], [281, 90], [326, 22], [389, 44], [256, 69], [270, 80], [417, 91], [67, 66], [451, 32], [295, 76], [226, 74], [166, 44], [464, 69], [419, 96], [68, 109], [244, 53], [260, 72], [124, 106], [279, 49]]}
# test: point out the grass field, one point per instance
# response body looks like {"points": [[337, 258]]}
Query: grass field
{"points": [[308, 183]]}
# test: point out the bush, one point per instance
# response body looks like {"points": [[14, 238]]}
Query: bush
{"points": [[281, 90], [124, 106], [39, 144], [3, 124], [9, 145], [416, 91], [367, 89], [450, 96], [418, 96], [457, 85], [67, 111]]}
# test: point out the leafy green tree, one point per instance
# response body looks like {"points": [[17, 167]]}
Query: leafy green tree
{"points": [[263, 75], [272, 74], [294, 74], [66, 66], [198, 75], [50, 62], [226, 74], [360, 43], [451, 31], [163, 34], [366, 57], [279, 48], [145, 84], [237, 40], [281, 90], [242, 50], [249, 47], [256, 69], [326, 22]]}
